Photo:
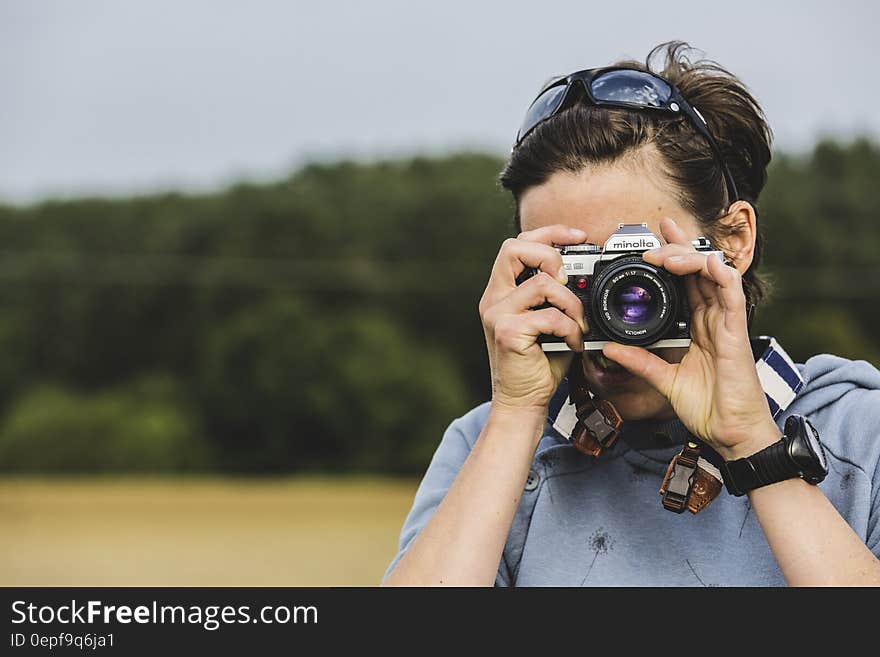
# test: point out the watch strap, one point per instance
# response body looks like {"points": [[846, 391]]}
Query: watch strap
{"points": [[768, 466]]}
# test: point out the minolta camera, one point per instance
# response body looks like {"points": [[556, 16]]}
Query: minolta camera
{"points": [[626, 299]]}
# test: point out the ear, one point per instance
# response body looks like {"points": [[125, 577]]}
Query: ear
{"points": [[738, 231]]}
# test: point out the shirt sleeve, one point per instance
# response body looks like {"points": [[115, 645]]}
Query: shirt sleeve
{"points": [[444, 467]]}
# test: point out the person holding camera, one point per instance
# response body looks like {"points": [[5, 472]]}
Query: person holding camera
{"points": [[624, 381]]}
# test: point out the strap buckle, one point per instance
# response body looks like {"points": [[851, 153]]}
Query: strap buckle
{"points": [[597, 428], [679, 480]]}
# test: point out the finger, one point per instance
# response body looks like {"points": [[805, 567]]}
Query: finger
{"points": [[673, 233], [707, 289], [538, 290], [518, 332], [693, 266], [658, 256], [689, 263], [514, 257], [555, 234], [559, 363], [644, 364], [730, 292], [719, 283], [695, 295], [696, 264]]}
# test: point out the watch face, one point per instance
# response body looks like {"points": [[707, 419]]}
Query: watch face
{"points": [[805, 449], [816, 445]]}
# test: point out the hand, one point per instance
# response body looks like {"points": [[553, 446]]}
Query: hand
{"points": [[714, 390], [523, 376]]}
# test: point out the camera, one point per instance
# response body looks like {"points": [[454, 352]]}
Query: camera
{"points": [[625, 299]]}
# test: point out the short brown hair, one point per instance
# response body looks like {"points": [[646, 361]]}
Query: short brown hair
{"points": [[582, 135]]}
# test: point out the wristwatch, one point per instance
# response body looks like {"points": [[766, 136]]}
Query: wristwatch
{"points": [[798, 454]]}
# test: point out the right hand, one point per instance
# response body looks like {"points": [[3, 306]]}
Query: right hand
{"points": [[523, 376]]}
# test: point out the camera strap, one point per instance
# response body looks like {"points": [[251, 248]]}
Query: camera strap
{"points": [[598, 422], [691, 482]]}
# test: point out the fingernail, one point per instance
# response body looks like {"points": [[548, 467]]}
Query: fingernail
{"points": [[562, 276], [577, 232], [674, 259], [583, 326]]}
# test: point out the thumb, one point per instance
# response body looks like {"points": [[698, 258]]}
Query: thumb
{"points": [[644, 364], [559, 364]]}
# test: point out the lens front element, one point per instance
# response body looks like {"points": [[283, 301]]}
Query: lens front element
{"points": [[634, 302]]}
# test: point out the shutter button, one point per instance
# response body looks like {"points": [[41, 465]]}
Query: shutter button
{"points": [[532, 481]]}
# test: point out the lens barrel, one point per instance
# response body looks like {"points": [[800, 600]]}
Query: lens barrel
{"points": [[634, 302]]}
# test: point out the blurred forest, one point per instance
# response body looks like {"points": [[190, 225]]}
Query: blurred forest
{"points": [[328, 322]]}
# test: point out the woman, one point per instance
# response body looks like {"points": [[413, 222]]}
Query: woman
{"points": [[509, 498]]}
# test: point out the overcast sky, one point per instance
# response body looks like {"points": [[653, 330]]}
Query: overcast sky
{"points": [[120, 96]]}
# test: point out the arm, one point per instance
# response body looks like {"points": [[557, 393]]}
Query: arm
{"points": [[812, 543], [715, 391], [463, 541]]}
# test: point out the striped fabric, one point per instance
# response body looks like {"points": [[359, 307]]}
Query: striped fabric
{"points": [[779, 377]]}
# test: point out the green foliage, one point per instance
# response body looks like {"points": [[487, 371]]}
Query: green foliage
{"points": [[292, 388], [329, 321], [142, 427]]}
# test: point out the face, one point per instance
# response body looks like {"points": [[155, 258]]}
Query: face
{"points": [[596, 200]]}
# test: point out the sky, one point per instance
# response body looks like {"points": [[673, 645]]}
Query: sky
{"points": [[118, 97]]}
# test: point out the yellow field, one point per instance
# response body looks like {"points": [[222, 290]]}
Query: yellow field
{"points": [[201, 532]]}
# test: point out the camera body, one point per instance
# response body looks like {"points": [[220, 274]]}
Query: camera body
{"points": [[626, 299]]}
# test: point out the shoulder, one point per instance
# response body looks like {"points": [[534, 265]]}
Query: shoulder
{"points": [[842, 399]]}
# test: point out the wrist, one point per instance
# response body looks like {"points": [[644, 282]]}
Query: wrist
{"points": [[519, 419], [761, 437]]}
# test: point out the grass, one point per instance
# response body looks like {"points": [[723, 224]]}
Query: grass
{"points": [[200, 532]]}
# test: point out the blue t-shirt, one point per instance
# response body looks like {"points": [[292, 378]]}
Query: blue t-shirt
{"points": [[585, 521]]}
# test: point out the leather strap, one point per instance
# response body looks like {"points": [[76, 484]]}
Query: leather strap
{"points": [[679, 480], [691, 482], [599, 423]]}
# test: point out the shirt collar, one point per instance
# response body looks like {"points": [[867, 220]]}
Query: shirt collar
{"points": [[779, 377]]}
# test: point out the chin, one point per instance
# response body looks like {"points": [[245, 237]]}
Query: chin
{"points": [[642, 404], [634, 398]]}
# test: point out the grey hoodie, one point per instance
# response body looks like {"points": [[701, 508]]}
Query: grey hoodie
{"points": [[583, 521]]}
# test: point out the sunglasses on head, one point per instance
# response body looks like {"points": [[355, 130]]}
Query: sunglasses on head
{"points": [[624, 88]]}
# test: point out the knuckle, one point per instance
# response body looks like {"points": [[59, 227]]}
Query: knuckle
{"points": [[509, 244], [485, 305], [505, 330], [488, 316], [544, 281], [559, 321]]}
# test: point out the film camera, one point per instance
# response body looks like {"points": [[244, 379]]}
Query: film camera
{"points": [[626, 299]]}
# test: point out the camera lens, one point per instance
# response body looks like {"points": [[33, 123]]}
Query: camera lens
{"points": [[633, 304], [633, 301]]}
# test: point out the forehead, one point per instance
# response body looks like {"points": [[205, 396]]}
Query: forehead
{"points": [[598, 198]]}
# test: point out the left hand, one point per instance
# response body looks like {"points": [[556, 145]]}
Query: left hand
{"points": [[714, 390]]}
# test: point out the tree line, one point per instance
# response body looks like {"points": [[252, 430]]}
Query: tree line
{"points": [[328, 321]]}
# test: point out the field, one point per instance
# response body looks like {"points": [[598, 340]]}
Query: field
{"points": [[200, 532]]}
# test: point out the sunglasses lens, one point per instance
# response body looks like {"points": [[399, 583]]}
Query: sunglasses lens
{"points": [[542, 108], [633, 87]]}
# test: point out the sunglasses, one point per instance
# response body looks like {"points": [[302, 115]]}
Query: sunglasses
{"points": [[624, 88]]}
